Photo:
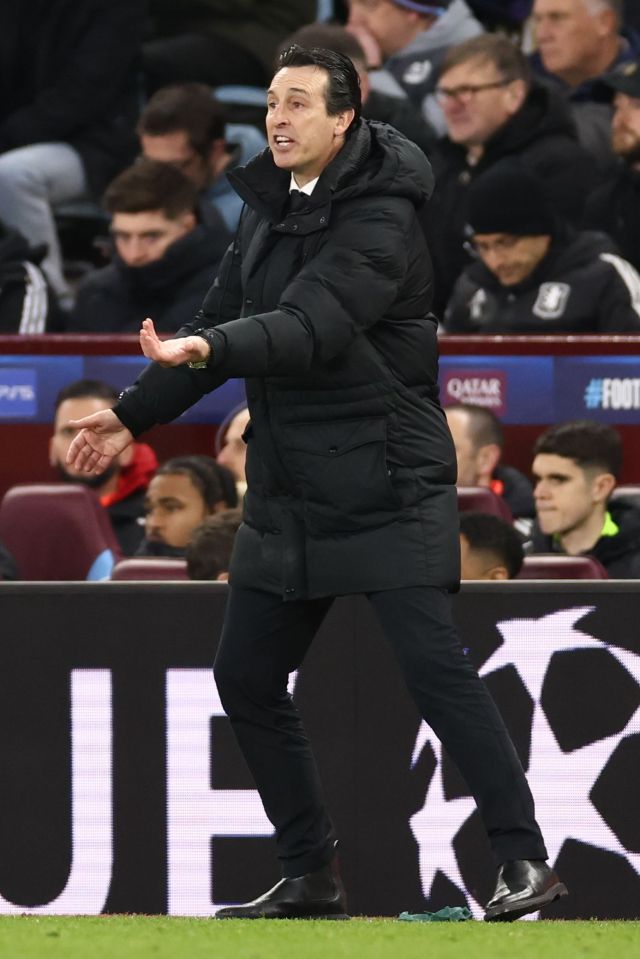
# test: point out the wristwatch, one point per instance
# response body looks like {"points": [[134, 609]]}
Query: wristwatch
{"points": [[202, 364]]}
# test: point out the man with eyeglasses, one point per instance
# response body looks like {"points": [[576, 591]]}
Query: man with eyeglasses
{"points": [[493, 110], [615, 206], [406, 41], [534, 274]]}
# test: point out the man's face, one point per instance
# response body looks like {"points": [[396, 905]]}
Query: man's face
{"points": [[466, 453], [234, 450], [63, 433], [569, 35], [511, 259], [392, 27], [173, 508], [142, 238], [302, 136], [479, 563], [625, 127], [565, 494], [476, 101], [175, 148]]}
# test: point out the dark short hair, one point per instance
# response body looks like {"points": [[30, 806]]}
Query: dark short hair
{"points": [[343, 83], [327, 36], [214, 482], [188, 107], [209, 549], [508, 59], [489, 534], [85, 389], [484, 426], [149, 185], [589, 444]]}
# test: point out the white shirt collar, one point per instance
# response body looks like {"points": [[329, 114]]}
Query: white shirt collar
{"points": [[308, 188]]}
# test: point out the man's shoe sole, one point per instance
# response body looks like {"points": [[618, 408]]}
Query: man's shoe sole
{"points": [[338, 916], [516, 910]]}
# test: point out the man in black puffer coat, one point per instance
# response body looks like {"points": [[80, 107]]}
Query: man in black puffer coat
{"points": [[323, 304]]}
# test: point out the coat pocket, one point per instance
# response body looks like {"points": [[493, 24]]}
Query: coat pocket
{"points": [[342, 473]]}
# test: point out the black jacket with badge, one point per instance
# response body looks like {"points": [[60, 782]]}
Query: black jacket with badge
{"points": [[619, 554], [542, 135], [325, 311], [117, 298], [581, 286]]}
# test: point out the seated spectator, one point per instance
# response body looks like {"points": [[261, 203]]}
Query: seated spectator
{"points": [[209, 549], [27, 304], [400, 112], [489, 548], [493, 110], [233, 450], [183, 492], [614, 207], [576, 466], [8, 570], [184, 125], [69, 100], [479, 440], [217, 41], [164, 263], [121, 487], [578, 41], [534, 273], [407, 41]]}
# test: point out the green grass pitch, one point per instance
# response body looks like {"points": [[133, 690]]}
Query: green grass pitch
{"points": [[149, 937]]}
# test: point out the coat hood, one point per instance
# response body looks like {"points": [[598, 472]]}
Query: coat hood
{"points": [[375, 160], [543, 113]]}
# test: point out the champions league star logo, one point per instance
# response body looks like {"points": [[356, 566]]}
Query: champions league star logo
{"points": [[575, 756]]}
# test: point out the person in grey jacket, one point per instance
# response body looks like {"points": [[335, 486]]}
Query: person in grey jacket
{"points": [[322, 303], [406, 41]]}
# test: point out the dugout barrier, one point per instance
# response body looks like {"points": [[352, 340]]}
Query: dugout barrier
{"points": [[122, 790], [528, 381]]}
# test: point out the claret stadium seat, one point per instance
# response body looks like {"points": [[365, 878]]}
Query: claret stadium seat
{"points": [[553, 566], [149, 567], [480, 499], [57, 531]]}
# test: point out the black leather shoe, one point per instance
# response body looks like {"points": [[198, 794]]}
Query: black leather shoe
{"points": [[524, 886], [317, 895]]}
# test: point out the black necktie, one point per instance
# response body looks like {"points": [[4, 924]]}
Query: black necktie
{"points": [[297, 201]]}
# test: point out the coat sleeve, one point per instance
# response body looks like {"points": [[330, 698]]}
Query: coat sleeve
{"points": [[161, 394], [89, 82], [347, 288], [619, 309]]}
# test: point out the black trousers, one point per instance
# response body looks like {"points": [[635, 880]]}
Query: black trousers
{"points": [[265, 639]]}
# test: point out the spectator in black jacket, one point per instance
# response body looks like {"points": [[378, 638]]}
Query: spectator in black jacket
{"points": [[69, 92], [615, 206], [534, 273], [479, 440], [576, 466], [165, 260], [493, 110]]}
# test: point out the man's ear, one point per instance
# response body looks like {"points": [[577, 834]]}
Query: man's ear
{"points": [[52, 461], [602, 487], [487, 458], [343, 122], [498, 572]]}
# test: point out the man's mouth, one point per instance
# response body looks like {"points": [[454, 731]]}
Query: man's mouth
{"points": [[282, 141]]}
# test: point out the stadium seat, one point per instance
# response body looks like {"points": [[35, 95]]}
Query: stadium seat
{"points": [[147, 567], [57, 532], [480, 499], [552, 566], [631, 493]]}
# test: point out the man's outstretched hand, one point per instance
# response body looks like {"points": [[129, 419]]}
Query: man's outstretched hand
{"points": [[101, 438], [186, 349]]}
